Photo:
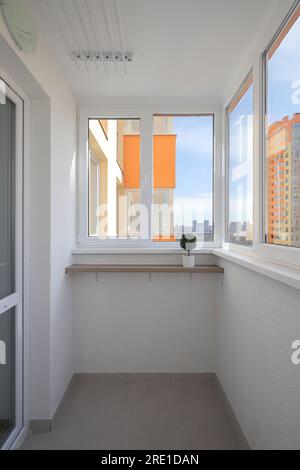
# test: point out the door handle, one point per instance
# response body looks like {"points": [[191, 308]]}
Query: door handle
{"points": [[9, 302]]}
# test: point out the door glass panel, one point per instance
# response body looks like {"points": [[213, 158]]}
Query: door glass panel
{"points": [[7, 266], [7, 190], [7, 374]]}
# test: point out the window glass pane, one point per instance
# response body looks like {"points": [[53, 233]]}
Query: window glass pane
{"points": [[240, 167], [283, 137], [7, 189], [114, 178], [183, 159]]}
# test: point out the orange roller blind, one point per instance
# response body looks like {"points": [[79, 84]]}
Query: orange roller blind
{"points": [[164, 161], [131, 149], [164, 156]]}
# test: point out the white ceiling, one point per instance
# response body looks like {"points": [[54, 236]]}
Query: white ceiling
{"points": [[181, 48]]}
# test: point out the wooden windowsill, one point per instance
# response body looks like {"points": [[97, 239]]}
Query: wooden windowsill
{"points": [[142, 268]]}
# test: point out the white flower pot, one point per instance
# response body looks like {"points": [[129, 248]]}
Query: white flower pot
{"points": [[188, 261]]}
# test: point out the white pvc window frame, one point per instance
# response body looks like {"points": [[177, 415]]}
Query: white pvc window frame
{"points": [[145, 114], [285, 255]]}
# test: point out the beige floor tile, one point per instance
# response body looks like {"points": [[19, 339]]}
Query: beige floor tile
{"points": [[141, 414]]}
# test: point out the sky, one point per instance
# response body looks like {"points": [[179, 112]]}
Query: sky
{"points": [[284, 74], [194, 169]]}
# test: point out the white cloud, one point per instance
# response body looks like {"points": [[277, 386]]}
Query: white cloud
{"points": [[285, 63], [195, 141], [186, 209], [290, 44], [296, 93]]}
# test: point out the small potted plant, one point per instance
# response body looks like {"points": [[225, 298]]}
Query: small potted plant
{"points": [[188, 242]]}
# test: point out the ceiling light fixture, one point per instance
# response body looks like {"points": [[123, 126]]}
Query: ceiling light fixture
{"points": [[101, 56]]}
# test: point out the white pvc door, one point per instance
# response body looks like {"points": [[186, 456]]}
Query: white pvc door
{"points": [[11, 266]]}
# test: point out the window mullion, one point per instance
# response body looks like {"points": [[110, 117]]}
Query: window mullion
{"points": [[258, 154], [146, 175]]}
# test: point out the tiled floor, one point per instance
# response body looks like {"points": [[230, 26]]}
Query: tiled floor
{"points": [[140, 414]]}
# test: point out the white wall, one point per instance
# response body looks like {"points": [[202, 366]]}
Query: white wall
{"points": [[63, 232], [257, 321], [40, 258], [124, 323], [52, 221]]}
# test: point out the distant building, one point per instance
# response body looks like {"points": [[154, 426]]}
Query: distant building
{"points": [[206, 226], [283, 173]]}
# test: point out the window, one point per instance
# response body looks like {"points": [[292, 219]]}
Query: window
{"points": [[240, 166], [145, 178], [114, 178], [282, 139], [183, 166]]}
